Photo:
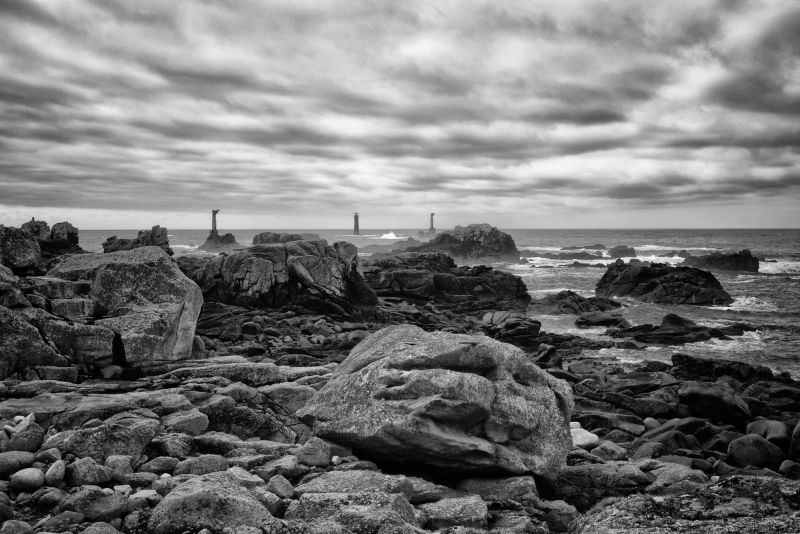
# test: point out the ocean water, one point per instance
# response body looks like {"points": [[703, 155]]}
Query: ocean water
{"points": [[768, 300]]}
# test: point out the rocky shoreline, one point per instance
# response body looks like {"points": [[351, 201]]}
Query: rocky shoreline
{"points": [[291, 387]]}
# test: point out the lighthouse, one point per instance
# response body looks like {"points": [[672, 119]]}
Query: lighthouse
{"points": [[432, 230], [356, 231]]}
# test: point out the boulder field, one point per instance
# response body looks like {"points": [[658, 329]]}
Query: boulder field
{"points": [[314, 393]]}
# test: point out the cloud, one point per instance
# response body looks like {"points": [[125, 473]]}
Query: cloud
{"points": [[270, 109]]}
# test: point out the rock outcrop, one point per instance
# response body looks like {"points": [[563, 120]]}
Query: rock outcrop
{"points": [[155, 237], [661, 283], [143, 297], [725, 261], [434, 277], [472, 242], [216, 243], [462, 403], [19, 251], [310, 275], [62, 239], [268, 238]]}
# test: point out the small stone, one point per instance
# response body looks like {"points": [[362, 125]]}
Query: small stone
{"points": [[314, 452], [119, 465], [608, 450], [16, 527], [583, 438]]}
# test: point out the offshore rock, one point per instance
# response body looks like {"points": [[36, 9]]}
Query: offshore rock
{"points": [[155, 237], [661, 283], [569, 302], [622, 251], [725, 261], [472, 242], [266, 238], [463, 403], [311, 275], [215, 242], [143, 297], [433, 276]]}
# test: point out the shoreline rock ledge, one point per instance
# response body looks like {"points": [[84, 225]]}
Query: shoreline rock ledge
{"points": [[472, 242], [465, 403]]}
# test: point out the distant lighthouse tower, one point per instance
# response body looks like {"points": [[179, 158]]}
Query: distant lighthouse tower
{"points": [[432, 230], [356, 231]]}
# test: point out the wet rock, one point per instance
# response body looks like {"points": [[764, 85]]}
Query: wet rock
{"points": [[595, 318], [725, 261], [570, 302], [622, 251], [478, 404], [693, 368], [510, 327], [662, 284]]}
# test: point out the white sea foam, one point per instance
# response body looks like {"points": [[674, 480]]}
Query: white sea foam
{"points": [[750, 303], [779, 267], [670, 248]]}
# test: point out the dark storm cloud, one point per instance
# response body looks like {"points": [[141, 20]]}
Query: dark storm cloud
{"points": [[145, 105]]}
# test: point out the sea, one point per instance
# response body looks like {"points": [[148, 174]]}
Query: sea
{"points": [[768, 300]]}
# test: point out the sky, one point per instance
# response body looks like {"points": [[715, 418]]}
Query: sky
{"points": [[295, 114]]}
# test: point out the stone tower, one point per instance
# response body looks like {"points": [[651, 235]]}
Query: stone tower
{"points": [[356, 230]]}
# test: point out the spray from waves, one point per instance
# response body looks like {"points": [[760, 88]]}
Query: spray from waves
{"points": [[750, 304], [779, 267]]}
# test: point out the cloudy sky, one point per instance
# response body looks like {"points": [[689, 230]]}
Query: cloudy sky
{"points": [[294, 114]]}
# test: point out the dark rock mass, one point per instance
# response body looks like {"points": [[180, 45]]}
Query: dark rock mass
{"points": [[569, 302], [622, 251], [400, 246], [673, 330], [62, 239], [472, 242], [155, 237], [725, 261], [661, 283], [434, 277], [267, 238], [309, 275], [215, 242]]}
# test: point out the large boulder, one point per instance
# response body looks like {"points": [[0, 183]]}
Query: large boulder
{"points": [[725, 261], [38, 229], [433, 276], [472, 242], [308, 274], [155, 237], [661, 283], [143, 297], [216, 243], [463, 403], [674, 330], [214, 501], [19, 250], [63, 239], [622, 251], [22, 346]]}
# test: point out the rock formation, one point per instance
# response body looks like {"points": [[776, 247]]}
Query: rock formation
{"points": [[38, 229], [19, 251], [268, 238], [725, 261], [472, 242], [662, 283], [673, 330], [142, 297], [622, 251], [434, 277], [155, 237], [62, 239], [215, 242], [462, 403], [569, 302], [311, 275]]}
